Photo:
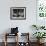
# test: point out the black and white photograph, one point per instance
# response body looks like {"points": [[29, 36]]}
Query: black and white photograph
{"points": [[17, 13]]}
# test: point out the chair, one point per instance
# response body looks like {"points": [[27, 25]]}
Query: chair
{"points": [[26, 41], [7, 35], [14, 32]]}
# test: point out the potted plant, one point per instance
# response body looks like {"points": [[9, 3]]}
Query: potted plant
{"points": [[35, 26], [38, 27], [39, 35]]}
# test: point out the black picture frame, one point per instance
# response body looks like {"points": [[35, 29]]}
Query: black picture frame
{"points": [[18, 13]]}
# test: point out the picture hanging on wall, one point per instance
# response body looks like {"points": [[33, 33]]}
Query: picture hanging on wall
{"points": [[18, 13]]}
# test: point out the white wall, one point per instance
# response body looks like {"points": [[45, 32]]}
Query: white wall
{"points": [[24, 25]]}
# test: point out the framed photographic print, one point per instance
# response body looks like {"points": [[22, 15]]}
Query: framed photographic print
{"points": [[18, 13]]}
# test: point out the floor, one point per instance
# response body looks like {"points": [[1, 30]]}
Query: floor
{"points": [[13, 44]]}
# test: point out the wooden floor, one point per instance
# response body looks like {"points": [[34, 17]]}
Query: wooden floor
{"points": [[13, 44]]}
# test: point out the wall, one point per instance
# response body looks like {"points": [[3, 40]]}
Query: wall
{"points": [[24, 25]]}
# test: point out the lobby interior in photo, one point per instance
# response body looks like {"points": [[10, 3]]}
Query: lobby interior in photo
{"points": [[22, 22]]}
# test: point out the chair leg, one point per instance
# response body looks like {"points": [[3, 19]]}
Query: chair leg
{"points": [[5, 43], [5, 39]]}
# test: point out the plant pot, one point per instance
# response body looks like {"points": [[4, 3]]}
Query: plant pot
{"points": [[40, 40]]}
